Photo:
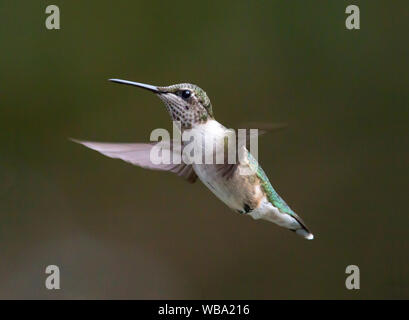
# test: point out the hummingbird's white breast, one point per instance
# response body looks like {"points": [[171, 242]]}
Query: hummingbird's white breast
{"points": [[236, 192]]}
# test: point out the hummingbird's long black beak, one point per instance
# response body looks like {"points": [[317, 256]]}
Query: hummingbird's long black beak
{"points": [[138, 84]]}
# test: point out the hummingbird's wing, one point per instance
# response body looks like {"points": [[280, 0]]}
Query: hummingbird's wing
{"points": [[263, 127], [227, 170], [139, 154]]}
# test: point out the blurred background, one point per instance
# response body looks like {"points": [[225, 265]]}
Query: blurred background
{"points": [[118, 231]]}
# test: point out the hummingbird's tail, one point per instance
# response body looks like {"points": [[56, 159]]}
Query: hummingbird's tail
{"points": [[303, 230], [289, 220], [304, 233]]}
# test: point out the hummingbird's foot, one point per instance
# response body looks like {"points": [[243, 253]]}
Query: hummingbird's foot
{"points": [[246, 209]]}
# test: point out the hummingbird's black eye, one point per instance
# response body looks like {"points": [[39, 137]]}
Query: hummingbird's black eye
{"points": [[186, 94]]}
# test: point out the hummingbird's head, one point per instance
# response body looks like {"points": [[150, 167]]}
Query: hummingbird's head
{"points": [[185, 102]]}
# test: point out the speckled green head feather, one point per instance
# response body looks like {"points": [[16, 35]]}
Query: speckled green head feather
{"points": [[186, 103]]}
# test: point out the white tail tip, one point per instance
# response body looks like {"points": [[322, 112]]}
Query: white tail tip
{"points": [[305, 234]]}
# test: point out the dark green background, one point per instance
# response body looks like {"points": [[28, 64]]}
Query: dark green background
{"points": [[118, 231]]}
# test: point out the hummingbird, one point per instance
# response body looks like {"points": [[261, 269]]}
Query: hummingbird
{"points": [[250, 194]]}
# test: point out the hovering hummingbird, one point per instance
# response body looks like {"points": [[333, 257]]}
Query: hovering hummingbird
{"points": [[250, 194]]}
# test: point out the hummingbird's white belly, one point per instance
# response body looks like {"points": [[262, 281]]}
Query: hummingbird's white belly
{"points": [[222, 188], [225, 189], [238, 194]]}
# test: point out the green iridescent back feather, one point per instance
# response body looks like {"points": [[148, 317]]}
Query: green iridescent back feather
{"points": [[271, 194]]}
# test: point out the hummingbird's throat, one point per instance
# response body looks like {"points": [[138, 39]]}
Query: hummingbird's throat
{"points": [[187, 114]]}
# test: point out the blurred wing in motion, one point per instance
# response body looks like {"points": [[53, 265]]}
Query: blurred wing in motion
{"points": [[227, 170], [263, 127], [139, 154]]}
